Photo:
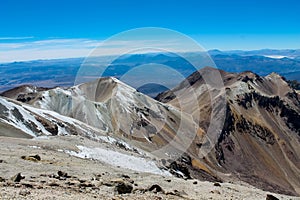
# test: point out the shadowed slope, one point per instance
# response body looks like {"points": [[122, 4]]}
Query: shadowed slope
{"points": [[260, 139]]}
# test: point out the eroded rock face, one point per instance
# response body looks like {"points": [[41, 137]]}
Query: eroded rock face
{"points": [[49, 126], [260, 140], [24, 93], [274, 105]]}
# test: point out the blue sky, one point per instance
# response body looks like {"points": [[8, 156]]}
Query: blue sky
{"points": [[232, 24]]}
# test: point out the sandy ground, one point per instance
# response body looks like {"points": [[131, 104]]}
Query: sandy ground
{"points": [[93, 179]]}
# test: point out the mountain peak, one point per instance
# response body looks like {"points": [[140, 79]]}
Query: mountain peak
{"points": [[244, 124]]}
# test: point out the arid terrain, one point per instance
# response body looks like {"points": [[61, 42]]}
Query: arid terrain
{"points": [[57, 175], [200, 140]]}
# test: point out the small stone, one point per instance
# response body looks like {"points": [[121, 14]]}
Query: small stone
{"points": [[34, 158], [271, 197], [217, 184], [24, 192], [176, 193], [82, 180], [215, 192], [37, 157], [72, 182], [28, 185], [156, 188], [195, 182], [43, 175], [86, 184], [53, 184], [125, 176], [168, 180], [2, 179], [108, 184], [17, 178], [62, 174], [123, 188]]}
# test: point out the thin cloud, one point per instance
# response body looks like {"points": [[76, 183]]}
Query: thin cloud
{"points": [[70, 48], [16, 38], [45, 49], [49, 44]]}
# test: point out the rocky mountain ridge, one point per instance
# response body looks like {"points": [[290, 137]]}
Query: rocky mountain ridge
{"points": [[255, 134]]}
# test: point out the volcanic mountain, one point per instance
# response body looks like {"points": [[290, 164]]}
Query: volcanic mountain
{"points": [[245, 128], [259, 141], [117, 109]]}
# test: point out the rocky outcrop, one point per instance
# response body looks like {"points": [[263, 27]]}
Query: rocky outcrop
{"points": [[262, 115]]}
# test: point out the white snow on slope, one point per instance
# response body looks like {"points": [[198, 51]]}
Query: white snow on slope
{"points": [[20, 123], [113, 141], [119, 159], [28, 113], [47, 113]]}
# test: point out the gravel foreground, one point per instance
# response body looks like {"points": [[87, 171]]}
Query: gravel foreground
{"points": [[40, 169]]}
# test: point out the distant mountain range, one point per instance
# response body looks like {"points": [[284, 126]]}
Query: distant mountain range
{"points": [[62, 72], [272, 53]]}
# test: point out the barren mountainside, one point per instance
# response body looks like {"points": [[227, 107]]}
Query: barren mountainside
{"points": [[251, 123], [259, 142]]}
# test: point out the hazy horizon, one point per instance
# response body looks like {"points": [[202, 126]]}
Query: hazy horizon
{"points": [[82, 56]]}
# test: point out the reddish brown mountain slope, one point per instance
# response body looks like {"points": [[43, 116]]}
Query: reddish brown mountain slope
{"points": [[260, 139]]}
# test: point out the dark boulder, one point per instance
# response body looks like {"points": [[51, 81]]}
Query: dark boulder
{"points": [[271, 197], [123, 188]]}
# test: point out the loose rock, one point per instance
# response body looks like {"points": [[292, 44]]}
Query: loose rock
{"points": [[123, 188], [34, 158], [24, 192], [17, 178], [62, 174], [53, 184], [28, 185], [156, 188], [271, 197], [215, 192], [125, 176], [217, 184]]}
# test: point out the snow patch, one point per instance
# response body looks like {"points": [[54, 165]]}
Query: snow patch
{"points": [[34, 147], [20, 123], [118, 159], [43, 137]]}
